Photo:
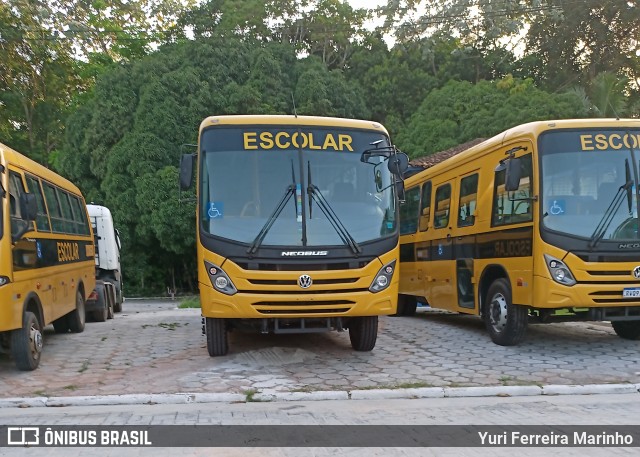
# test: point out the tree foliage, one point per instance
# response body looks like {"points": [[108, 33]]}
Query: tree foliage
{"points": [[461, 111], [123, 145]]}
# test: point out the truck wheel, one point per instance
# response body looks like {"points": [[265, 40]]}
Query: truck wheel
{"points": [[26, 343], [61, 325], [117, 306], [110, 310], [505, 322], [77, 317], [363, 332], [629, 330], [217, 340], [101, 314]]}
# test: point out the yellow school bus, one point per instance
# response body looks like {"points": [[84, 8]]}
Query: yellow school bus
{"points": [[296, 225], [47, 264], [537, 224]]}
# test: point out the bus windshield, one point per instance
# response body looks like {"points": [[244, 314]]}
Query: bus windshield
{"points": [[248, 172], [589, 186]]}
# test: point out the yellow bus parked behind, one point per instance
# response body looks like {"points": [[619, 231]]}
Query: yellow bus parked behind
{"points": [[47, 264], [539, 223]]}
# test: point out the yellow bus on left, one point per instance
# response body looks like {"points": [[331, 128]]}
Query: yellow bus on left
{"points": [[47, 259]]}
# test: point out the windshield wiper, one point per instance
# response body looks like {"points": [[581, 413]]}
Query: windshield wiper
{"points": [[330, 214], [289, 191], [609, 214]]}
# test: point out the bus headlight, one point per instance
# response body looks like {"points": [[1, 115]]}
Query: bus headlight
{"points": [[219, 279], [4, 280], [559, 271], [383, 277]]}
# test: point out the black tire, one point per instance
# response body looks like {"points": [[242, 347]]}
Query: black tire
{"points": [[629, 330], [102, 314], [409, 305], [217, 340], [363, 332], [77, 317], [110, 310], [117, 306], [61, 325], [505, 322], [26, 343]]}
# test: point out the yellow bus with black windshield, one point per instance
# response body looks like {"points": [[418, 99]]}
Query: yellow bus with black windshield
{"points": [[46, 256], [537, 224], [296, 225]]}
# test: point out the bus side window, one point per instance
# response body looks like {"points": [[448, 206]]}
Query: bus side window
{"points": [[513, 207], [79, 215], [16, 189], [468, 200], [442, 206], [54, 208], [409, 211], [425, 207], [42, 219]]}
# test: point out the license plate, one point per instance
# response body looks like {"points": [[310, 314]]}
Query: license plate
{"points": [[631, 292]]}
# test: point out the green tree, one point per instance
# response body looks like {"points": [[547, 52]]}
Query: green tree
{"points": [[461, 111], [123, 143]]}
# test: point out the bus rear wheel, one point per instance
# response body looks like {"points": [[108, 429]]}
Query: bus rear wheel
{"points": [[217, 339], [77, 317], [363, 332], [505, 322], [26, 343], [629, 330]]}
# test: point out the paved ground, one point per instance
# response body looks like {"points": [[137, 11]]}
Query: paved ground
{"points": [[153, 347]]}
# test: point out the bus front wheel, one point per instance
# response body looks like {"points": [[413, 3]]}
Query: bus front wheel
{"points": [[217, 340], [629, 330], [505, 322], [26, 343], [363, 332]]}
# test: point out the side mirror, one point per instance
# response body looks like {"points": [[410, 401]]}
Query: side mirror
{"points": [[513, 173], [186, 171], [398, 163], [28, 207]]}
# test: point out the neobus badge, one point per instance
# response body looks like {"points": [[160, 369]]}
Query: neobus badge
{"points": [[286, 140], [302, 253]]}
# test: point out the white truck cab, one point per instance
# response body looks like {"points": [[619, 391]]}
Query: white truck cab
{"points": [[108, 247]]}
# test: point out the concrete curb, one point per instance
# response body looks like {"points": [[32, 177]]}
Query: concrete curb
{"points": [[374, 394]]}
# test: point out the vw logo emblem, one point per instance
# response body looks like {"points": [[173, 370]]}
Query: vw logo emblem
{"points": [[305, 281], [636, 272]]}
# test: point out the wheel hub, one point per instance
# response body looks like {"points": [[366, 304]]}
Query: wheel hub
{"points": [[498, 312], [35, 341]]}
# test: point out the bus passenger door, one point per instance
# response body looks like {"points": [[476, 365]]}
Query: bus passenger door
{"points": [[441, 274], [464, 240]]}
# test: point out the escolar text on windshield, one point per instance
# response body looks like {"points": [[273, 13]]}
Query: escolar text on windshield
{"points": [[287, 140]]}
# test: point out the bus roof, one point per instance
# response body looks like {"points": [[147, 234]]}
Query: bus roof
{"points": [[8, 155], [289, 120], [529, 130]]}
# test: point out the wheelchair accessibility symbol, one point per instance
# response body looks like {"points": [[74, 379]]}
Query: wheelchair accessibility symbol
{"points": [[557, 208], [215, 210]]}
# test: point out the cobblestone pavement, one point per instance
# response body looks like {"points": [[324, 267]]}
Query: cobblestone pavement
{"points": [[153, 347]]}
